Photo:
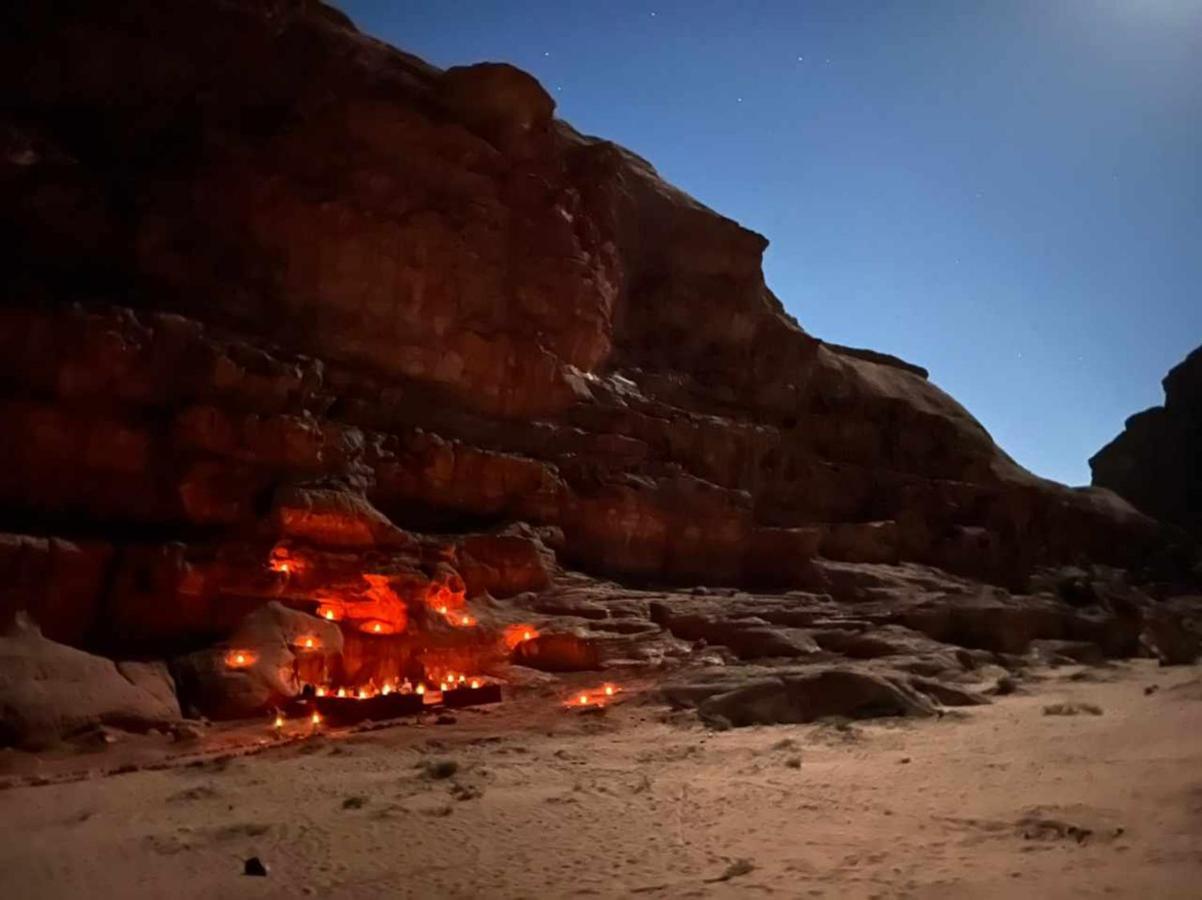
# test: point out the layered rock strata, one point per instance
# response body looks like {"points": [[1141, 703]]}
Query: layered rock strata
{"points": [[293, 315]]}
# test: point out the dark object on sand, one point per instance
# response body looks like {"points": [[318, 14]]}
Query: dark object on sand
{"points": [[254, 866]]}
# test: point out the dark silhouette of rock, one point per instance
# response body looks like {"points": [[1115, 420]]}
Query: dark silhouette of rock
{"points": [[1156, 461]]}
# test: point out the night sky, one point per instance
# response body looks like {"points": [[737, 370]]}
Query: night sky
{"points": [[1008, 192]]}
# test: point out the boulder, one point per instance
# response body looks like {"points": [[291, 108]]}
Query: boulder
{"points": [[264, 663], [49, 691], [806, 697]]}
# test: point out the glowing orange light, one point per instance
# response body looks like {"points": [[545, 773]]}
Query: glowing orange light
{"points": [[315, 718], [443, 686], [442, 610], [342, 692], [462, 678], [329, 613], [362, 694], [519, 634], [386, 690], [466, 621], [240, 659], [321, 692], [308, 642], [279, 722], [421, 688], [583, 699], [475, 684], [609, 690]]}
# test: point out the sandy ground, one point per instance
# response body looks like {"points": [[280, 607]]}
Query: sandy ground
{"points": [[1000, 801]]}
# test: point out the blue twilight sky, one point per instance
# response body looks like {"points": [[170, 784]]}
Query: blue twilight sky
{"points": [[1008, 192]]}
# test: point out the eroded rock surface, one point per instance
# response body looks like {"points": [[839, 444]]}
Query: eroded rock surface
{"points": [[293, 316]]}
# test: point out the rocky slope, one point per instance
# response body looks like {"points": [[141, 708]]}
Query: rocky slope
{"points": [[1156, 462], [291, 314]]}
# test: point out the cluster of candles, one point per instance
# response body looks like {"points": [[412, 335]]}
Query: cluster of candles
{"points": [[333, 613], [595, 697], [462, 620], [450, 681]]}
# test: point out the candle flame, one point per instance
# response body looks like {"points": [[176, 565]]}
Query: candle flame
{"points": [[386, 690], [240, 659], [362, 694], [421, 688], [279, 722], [609, 690], [583, 699], [475, 683], [315, 718], [321, 692], [342, 692]]}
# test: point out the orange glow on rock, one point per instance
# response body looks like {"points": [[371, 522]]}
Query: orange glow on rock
{"points": [[241, 659], [519, 634], [376, 627]]}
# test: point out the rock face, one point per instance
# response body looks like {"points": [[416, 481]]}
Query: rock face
{"points": [[1156, 462], [294, 316], [49, 692]]}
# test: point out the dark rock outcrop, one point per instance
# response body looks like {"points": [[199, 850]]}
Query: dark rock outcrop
{"points": [[1156, 462], [291, 315]]}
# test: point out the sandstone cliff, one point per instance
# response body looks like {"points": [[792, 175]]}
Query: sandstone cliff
{"points": [[291, 314], [1156, 462]]}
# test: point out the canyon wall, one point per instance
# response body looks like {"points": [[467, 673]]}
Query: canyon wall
{"points": [[277, 288]]}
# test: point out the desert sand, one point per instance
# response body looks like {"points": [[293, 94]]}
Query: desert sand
{"points": [[1004, 800]]}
